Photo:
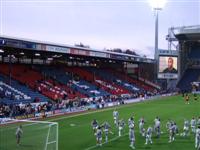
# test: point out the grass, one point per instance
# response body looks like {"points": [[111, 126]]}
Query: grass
{"points": [[75, 132]]}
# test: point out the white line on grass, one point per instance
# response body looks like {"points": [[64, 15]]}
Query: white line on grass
{"points": [[111, 140]]}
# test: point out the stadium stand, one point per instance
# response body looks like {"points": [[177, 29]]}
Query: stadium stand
{"points": [[143, 86], [106, 85], [194, 52], [64, 76], [119, 80], [18, 93], [189, 76], [37, 82]]}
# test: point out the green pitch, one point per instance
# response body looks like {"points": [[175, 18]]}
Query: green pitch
{"points": [[75, 132]]}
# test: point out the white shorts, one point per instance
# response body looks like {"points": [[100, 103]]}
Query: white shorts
{"points": [[99, 138], [120, 128], [186, 128], [132, 139]]}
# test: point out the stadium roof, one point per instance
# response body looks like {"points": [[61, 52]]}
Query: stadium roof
{"points": [[187, 32], [7, 42]]}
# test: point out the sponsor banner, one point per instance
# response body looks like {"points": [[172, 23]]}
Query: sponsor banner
{"points": [[79, 52], [4, 120], [107, 55], [41, 47], [83, 52], [168, 52], [167, 76], [100, 54], [57, 49], [47, 114], [196, 92], [132, 100], [112, 104], [114, 56], [17, 44], [92, 53], [73, 51], [25, 116]]}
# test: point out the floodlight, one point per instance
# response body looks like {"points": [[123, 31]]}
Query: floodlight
{"points": [[37, 54], [157, 4], [1, 51]]}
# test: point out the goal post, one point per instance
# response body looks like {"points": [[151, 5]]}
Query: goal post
{"points": [[37, 135], [52, 137]]}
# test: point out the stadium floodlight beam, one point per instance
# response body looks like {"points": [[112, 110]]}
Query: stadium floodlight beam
{"points": [[157, 5]]}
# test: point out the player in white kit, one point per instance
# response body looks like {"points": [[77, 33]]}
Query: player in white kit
{"points": [[172, 132], [197, 138], [186, 128], [18, 134], [121, 125], [193, 125], [131, 122], [99, 136], [132, 136], [157, 127], [198, 121], [106, 126], [115, 117], [141, 126], [149, 135]]}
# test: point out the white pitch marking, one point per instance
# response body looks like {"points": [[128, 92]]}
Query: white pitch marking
{"points": [[113, 139]]}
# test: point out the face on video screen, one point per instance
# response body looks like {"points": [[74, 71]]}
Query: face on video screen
{"points": [[168, 64]]}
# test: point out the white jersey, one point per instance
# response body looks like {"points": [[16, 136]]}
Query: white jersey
{"points": [[115, 114], [193, 123], [157, 123], [94, 124], [141, 122], [186, 123], [149, 131], [122, 124], [198, 133], [168, 125], [172, 129], [19, 131], [198, 121], [99, 134], [131, 134], [130, 122], [106, 127], [155, 120]]}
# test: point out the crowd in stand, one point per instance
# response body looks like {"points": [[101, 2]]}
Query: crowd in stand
{"points": [[14, 110]]}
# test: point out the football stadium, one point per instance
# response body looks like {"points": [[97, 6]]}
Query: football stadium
{"points": [[60, 96]]}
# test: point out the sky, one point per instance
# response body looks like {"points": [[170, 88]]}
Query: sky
{"points": [[126, 24]]}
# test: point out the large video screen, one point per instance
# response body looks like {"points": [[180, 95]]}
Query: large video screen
{"points": [[168, 67]]}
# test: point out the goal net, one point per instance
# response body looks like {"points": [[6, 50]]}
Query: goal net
{"points": [[37, 135]]}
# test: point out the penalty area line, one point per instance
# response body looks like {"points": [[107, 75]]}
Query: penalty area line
{"points": [[111, 140]]}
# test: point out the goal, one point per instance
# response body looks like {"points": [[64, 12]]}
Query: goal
{"points": [[37, 135]]}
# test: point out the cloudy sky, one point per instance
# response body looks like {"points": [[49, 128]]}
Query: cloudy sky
{"points": [[98, 23]]}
